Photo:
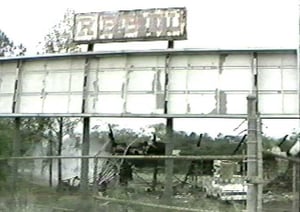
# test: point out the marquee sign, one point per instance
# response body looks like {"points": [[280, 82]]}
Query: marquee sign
{"points": [[130, 25]]}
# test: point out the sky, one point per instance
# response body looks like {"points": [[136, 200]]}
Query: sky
{"points": [[212, 24]]}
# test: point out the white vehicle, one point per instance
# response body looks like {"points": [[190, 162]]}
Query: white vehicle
{"points": [[226, 187], [230, 191], [226, 191]]}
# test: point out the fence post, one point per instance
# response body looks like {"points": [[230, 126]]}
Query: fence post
{"points": [[260, 174], [252, 155], [296, 185], [95, 186]]}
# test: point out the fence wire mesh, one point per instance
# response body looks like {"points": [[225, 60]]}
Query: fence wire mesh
{"points": [[137, 185], [281, 184], [197, 185], [35, 181]]}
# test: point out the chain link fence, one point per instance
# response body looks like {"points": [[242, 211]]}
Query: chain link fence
{"points": [[281, 183], [200, 183]]}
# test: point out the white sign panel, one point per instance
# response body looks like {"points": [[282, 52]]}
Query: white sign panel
{"points": [[7, 86], [51, 86], [120, 85], [207, 84], [278, 84], [151, 83]]}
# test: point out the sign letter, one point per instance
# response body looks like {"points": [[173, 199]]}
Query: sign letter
{"points": [[86, 27]]}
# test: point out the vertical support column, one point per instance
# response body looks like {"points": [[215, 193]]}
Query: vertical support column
{"points": [[252, 155], [84, 175], [86, 130], [169, 163], [15, 104], [17, 134], [59, 150], [125, 86], [16, 152], [50, 151]]}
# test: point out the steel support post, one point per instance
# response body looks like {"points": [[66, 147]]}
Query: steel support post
{"points": [[85, 152], [252, 155], [16, 149], [50, 151], [16, 153], [59, 150], [84, 174], [169, 163]]}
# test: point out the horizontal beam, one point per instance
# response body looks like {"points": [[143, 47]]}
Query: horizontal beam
{"points": [[130, 115], [154, 157], [135, 157], [292, 159], [149, 52]]}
